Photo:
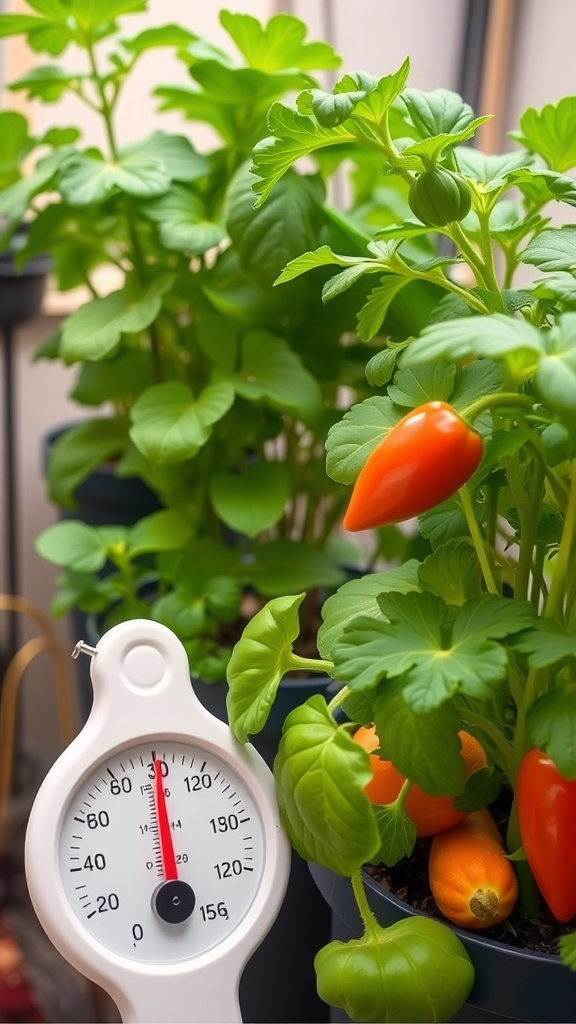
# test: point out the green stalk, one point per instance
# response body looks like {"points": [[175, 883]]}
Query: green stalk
{"points": [[299, 664], [488, 255], [477, 539], [529, 531], [471, 255], [553, 608], [371, 926]]}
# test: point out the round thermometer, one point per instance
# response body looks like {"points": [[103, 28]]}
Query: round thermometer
{"points": [[155, 859]]}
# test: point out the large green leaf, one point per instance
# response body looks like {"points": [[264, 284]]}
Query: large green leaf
{"points": [[550, 132], [359, 597], [425, 748], [438, 655], [95, 329], [492, 337], [89, 178], [360, 430], [553, 249], [15, 143], [74, 545], [270, 370], [293, 136], [165, 530], [77, 453], [258, 663], [160, 35], [254, 500], [176, 152], [320, 775], [437, 112], [267, 239], [286, 566], [279, 44], [171, 424], [182, 221]]}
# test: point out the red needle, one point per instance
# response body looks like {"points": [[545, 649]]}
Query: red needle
{"points": [[164, 831]]}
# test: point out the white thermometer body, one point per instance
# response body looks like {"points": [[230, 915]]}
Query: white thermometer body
{"points": [[154, 854]]}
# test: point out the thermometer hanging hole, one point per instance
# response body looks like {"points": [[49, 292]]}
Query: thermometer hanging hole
{"points": [[174, 901]]}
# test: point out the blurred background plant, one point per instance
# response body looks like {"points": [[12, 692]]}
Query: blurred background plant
{"points": [[213, 389]]}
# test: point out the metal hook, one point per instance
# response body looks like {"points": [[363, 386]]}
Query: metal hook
{"points": [[83, 648]]}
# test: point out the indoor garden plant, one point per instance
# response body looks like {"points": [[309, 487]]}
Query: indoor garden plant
{"points": [[470, 436], [198, 377]]}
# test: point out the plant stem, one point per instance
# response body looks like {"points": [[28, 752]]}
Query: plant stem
{"points": [[371, 926], [299, 664], [553, 607], [529, 532], [500, 398], [477, 539], [470, 254]]}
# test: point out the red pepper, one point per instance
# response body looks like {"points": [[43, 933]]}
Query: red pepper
{"points": [[422, 461], [546, 803]]}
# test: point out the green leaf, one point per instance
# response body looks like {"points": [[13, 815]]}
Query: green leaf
{"points": [[397, 834], [360, 598], [77, 453], [15, 143], [431, 382], [380, 367], [267, 239], [558, 186], [95, 329], [493, 337], [437, 112], [165, 530], [271, 370], [279, 44], [258, 663], [320, 775], [86, 179], [490, 169], [160, 35], [414, 642], [547, 644], [293, 136], [182, 222], [74, 545], [424, 748], [481, 789], [47, 83], [550, 724], [551, 133], [176, 153], [374, 310], [329, 108], [171, 424], [285, 565], [452, 572], [252, 501], [443, 523], [553, 249], [360, 430], [555, 377]]}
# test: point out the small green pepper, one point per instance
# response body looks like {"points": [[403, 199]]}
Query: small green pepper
{"points": [[438, 197], [415, 970]]}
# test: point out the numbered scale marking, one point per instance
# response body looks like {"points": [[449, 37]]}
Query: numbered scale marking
{"points": [[111, 852]]}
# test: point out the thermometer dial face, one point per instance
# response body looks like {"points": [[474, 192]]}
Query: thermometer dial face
{"points": [[161, 851]]}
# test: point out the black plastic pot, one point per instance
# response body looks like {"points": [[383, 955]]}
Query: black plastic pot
{"points": [[21, 288], [511, 984]]}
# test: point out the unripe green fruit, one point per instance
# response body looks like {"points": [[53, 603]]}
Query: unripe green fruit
{"points": [[438, 197], [417, 970]]}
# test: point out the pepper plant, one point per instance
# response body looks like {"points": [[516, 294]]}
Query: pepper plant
{"points": [[197, 376], [470, 434]]}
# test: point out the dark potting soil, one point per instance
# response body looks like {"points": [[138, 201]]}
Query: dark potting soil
{"points": [[408, 880]]}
